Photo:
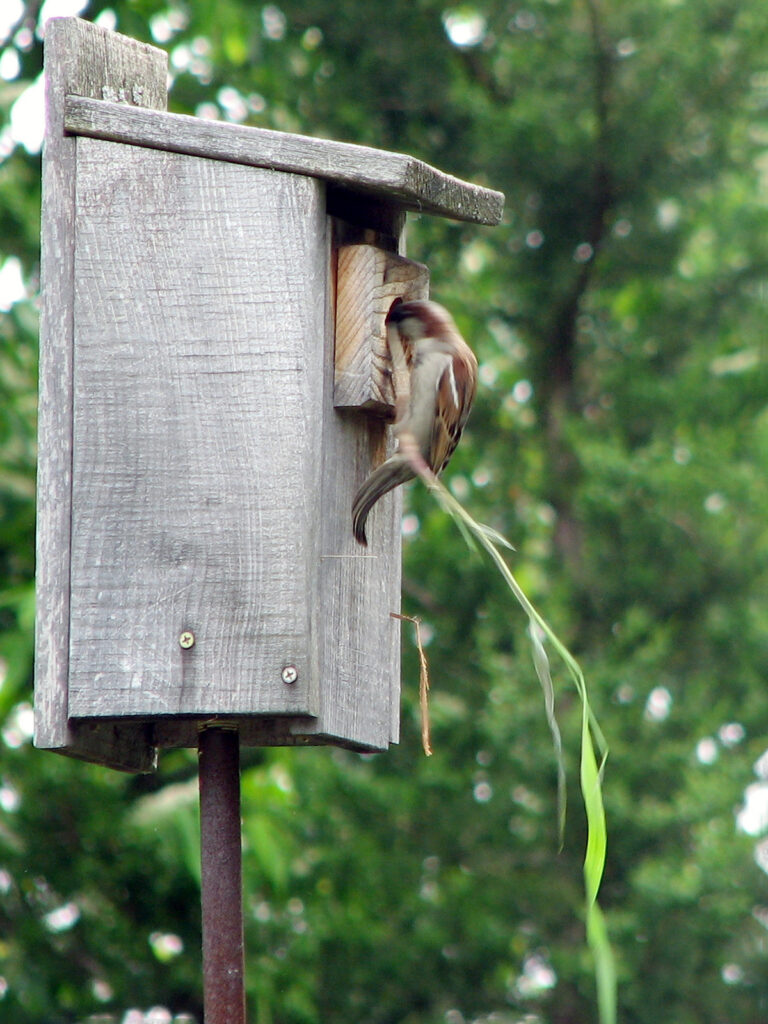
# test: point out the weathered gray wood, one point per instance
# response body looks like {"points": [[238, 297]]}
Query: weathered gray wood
{"points": [[128, 746], [197, 495], [204, 481], [198, 354], [414, 184], [355, 590], [254, 731], [357, 587], [368, 281], [84, 59]]}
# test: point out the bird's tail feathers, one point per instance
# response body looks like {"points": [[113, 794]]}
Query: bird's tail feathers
{"points": [[390, 474]]}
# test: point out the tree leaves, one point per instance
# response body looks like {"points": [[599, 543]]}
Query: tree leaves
{"points": [[629, 476]]}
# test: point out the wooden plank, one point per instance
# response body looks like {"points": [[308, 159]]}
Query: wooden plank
{"points": [[84, 59], [126, 746], [412, 183], [357, 588], [199, 301], [368, 281], [254, 730], [358, 654]]}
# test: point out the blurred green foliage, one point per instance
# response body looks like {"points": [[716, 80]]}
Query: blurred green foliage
{"points": [[620, 440]]}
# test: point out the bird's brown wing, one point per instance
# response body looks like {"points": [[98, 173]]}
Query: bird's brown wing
{"points": [[454, 396]]}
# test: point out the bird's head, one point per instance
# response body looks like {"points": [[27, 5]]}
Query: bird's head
{"points": [[420, 319]]}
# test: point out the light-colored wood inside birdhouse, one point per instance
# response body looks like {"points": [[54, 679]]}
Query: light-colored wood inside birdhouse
{"points": [[369, 280]]}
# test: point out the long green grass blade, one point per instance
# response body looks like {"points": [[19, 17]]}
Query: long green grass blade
{"points": [[541, 664], [590, 773]]}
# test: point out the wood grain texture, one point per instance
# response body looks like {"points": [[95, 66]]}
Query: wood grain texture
{"points": [[244, 531], [84, 59], [412, 183], [357, 588], [358, 660], [354, 591], [368, 280], [199, 317]]}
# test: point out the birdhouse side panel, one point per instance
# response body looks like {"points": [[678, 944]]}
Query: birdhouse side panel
{"points": [[84, 59], [359, 589], [199, 301]]}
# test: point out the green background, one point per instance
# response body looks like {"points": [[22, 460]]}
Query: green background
{"points": [[619, 440]]}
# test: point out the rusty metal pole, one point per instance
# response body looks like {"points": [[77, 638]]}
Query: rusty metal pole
{"points": [[222, 882]]}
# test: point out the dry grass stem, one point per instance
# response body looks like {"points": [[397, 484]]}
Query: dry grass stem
{"points": [[423, 681]]}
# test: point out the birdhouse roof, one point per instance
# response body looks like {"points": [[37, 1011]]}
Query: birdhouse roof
{"points": [[395, 177]]}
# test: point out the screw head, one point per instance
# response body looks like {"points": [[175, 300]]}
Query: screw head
{"points": [[289, 674], [187, 639]]}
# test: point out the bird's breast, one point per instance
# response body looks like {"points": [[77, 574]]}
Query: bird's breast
{"points": [[426, 372]]}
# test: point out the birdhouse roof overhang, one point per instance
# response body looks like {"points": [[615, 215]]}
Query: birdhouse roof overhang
{"points": [[392, 177]]}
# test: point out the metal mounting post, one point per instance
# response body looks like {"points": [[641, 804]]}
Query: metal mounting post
{"points": [[222, 889]]}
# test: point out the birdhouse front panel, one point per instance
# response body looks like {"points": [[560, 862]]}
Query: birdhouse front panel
{"points": [[199, 315]]}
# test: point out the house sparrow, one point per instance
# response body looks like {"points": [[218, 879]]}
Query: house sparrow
{"points": [[442, 374]]}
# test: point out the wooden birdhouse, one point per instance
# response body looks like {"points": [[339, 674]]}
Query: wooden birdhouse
{"points": [[213, 389]]}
